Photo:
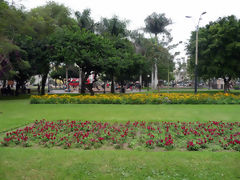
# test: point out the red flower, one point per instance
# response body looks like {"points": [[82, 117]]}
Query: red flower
{"points": [[100, 138]]}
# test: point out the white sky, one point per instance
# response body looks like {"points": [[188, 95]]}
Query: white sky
{"points": [[137, 10]]}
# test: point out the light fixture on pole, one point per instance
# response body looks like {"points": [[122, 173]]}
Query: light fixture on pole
{"points": [[148, 79], [196, 53]]}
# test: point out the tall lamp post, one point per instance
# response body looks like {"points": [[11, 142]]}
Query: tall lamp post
{"points": [[148, 79], [196, 55]]}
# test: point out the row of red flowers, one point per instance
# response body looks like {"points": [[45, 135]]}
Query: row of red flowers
{"points": [[92, 134]]}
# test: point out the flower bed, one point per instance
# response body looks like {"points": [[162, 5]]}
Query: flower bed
{"points": [[153, 98], [141, 135]]}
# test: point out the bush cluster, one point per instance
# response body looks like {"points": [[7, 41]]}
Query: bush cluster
{"points": [[154, 98]]}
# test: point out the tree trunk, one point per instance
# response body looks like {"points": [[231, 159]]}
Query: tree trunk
{"points": [[152, 78], [122, 87], [156, 76], [112, 85], [90, 86], [44, 79], [17, 89], [22, 87], [104, 88], [83, 85], [84, 80], [209, 84], [227, 84], [140, 82], [67, 77], [4, 83], [83, 88], [156, 68], [80, 80], [48, 85]]}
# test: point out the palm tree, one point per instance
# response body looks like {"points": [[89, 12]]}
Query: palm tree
{"points": [[113, 27], [156, 24], [140, 46], [84, 20]]}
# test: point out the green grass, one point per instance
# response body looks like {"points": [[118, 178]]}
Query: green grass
{"points": [[29, 163], [15, 113], [53, 163]]}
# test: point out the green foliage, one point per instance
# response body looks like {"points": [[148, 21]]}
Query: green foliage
{"points": [[84, 20], [113, 27], [128, 64], [51, 15], [152, 53], [164, 98], [89, 51], [60, 72], [25, 43], [156, 23], [13, 23], [218, 49], [32, 41]]}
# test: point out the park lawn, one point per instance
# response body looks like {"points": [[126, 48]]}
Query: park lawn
{"points": [[58, 163], [17, 113], [30, 163]]}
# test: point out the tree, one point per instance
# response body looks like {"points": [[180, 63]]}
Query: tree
{"points": [[218, 50], [129, 65], [88, 50], [153, 53], [156, 24], [45, 20], [84, 20], [14, 29], [139, 45], [115, 29]]}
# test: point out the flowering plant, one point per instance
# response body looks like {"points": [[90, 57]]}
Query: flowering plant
{"points": [[153, 98], [192, 136]]}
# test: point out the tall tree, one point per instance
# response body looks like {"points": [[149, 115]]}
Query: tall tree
{"points": [[14, 29], [115, 29], [156, 24], [129, 64], [84, 20], [219, 46], [45, 21], [88, 50]]}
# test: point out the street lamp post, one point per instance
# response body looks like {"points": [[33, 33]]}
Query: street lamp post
{"points": [[196, 53], [148, 79]]}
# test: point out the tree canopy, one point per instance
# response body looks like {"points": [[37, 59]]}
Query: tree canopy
{"points": [[33, 42], [219, 46], [156, 23]]}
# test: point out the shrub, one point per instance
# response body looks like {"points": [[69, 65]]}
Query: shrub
{"points": [[154, 98]]}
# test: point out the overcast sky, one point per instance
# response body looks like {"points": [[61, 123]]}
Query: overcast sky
{"points": [[137, 10]]}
